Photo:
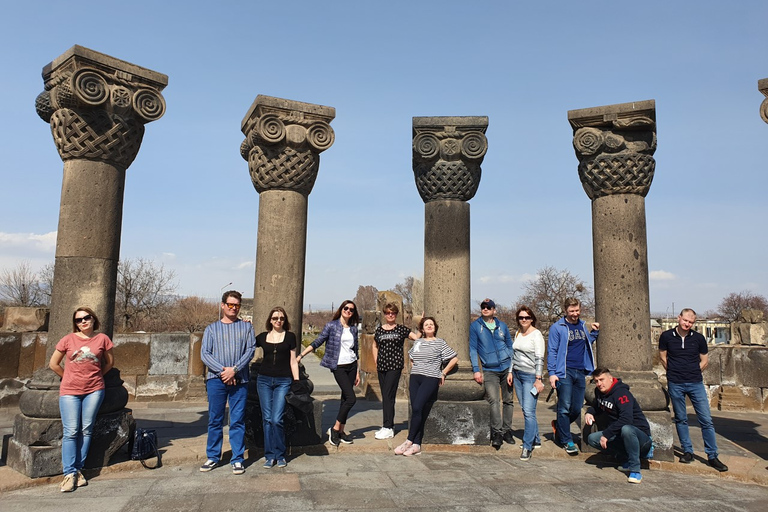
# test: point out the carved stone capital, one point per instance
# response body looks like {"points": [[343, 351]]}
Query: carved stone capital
{"points": [[447, 153], [615, 146], [762, 85], [283, 142], [97, 105]]}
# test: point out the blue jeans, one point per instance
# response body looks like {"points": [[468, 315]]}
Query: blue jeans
{"points": [[272, 391], [78, 414], [698, 395], [523, 383], [570, 399], [218, 395], [501, 404], [631, 443]]}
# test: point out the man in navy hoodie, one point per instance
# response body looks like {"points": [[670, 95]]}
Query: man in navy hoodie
{"points": [[626, 432]]}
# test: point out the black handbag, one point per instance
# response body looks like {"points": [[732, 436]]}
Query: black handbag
{"points": [[145, 447]]}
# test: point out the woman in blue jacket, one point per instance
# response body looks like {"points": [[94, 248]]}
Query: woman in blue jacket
{"points": [[341, 355]]}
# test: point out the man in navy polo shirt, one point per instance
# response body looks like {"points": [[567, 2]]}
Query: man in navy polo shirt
{"points": [[683, 353]]}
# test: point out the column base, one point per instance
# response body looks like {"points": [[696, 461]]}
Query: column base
{"points": [[457, 422], [301, 429], [662, 432]]}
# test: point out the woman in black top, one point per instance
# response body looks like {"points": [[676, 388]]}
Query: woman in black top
{"points": [[388, 342], [278, 370]]}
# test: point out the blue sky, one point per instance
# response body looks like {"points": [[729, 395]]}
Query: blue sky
{"points": [[189, 202]]}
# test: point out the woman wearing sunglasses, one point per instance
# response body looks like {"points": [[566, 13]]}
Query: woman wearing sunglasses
{"points": [[279, 368], [88, 357], [525, 372], [388, 342], [341, 354]]}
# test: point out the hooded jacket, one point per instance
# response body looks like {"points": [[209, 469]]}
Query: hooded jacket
{"points": [[620, 407], [493, 346]]}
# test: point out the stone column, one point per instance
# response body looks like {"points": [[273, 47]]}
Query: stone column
{"points": [[283, 142], [762, 85], [447, 153], [615, 146], [97, 107]]}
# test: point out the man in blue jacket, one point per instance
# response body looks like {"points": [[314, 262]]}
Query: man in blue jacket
{"points": [[490, 341], [569, 360], [626, 431]]}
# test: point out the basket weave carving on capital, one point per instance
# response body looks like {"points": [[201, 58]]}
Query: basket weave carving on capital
{"points": [[446, 162], [97, 112], [283, 149], [616, 159]]}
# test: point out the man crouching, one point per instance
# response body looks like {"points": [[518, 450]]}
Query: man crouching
{"points": [[627, 433]]}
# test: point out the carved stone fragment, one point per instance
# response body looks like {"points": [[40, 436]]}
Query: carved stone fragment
{"points": [[762, 85]]}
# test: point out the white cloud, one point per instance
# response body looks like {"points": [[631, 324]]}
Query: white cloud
{"points": [[245, 264], [23, 243], [661, 275], [169, 256], [506, 279]]}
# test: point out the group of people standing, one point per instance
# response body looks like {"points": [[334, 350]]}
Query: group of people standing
{"points": [[499, 363]]}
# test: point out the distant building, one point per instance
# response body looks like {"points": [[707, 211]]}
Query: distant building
{"points": [[715, 331]]}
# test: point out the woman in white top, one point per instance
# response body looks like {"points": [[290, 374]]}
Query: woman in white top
{"points": [[341, 353], [428, 355], [525, 372]]}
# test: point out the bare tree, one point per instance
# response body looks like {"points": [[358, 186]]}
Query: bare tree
{"points": [[45, 277], [20, 286], [191, 314], [545, 295], [144, 292], [733, 303], [412, 292], [366, 298]]}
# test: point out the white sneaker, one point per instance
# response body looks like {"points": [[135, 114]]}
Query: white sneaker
{"points": [[384, 433]]}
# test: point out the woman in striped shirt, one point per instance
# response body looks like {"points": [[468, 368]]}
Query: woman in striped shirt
{"points": [[427, 375]]}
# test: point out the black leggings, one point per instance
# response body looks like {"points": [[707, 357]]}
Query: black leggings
{"points": [[345, 375], [388, 382], [423, 396]]}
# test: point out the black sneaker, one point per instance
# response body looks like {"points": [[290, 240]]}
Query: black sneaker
{"points": [[686, 458], [715, 463], [508, 437], [525, 454], [345, 438], [497, 439], [333, 437]]}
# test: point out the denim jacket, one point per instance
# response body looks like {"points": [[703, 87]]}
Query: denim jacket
{"points": [[331, 336], [493, 346]]}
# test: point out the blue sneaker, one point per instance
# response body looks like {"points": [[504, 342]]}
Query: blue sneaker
{"points": [[281, 463], [269, 463], [635, 478], [571, 449]]}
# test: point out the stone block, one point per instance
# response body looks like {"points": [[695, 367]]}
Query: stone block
{"points": [[35, 449], [129, 383], [750, 366], [10, 350], [27, 355], [160, 387], [300, 429], [367, 363], [10, 392], [169, 354], [41, 361], [132, 353], [19, 319], [196, 366], [720, 367], [458, 423], [738, 398]]}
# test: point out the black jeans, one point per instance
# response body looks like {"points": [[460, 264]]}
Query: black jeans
{"points": [[388, 382], [423, 396], [345, 375]]}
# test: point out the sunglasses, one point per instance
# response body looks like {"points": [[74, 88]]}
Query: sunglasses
{"points": [[232, 306], [523, 318], [486, 306], [278, 319], [347, 308], [86, 318], [390, 313]]}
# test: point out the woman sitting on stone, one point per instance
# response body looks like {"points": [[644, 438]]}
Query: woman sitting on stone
{"points": [[278, 370], [388, 342], [427, 355], [341, 354], [88, 357], [525, 371]]}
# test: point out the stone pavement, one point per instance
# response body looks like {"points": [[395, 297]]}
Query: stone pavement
{"points": [[366, 474]]}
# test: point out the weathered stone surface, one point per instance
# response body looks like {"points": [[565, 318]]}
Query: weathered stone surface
{"points": [[196, 366], [18, 319], [132, 353], [161, 387], [458, 422], [27, 351], [283, 142], [10, 392], [738, 398], [168, 354], [370, 320], [10, 349], [762, 86]]}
